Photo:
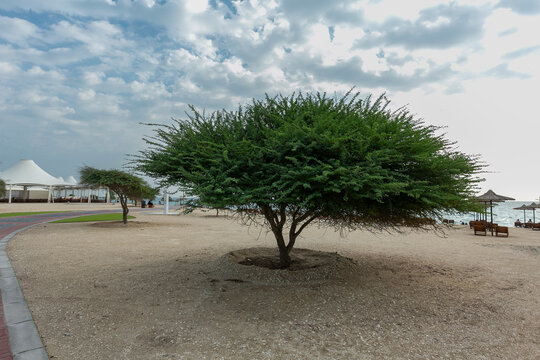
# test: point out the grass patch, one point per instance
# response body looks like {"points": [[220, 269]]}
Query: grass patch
{"points": [[3, 215], [97, 217]]}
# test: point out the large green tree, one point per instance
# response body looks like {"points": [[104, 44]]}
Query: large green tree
{"points": [[346, 162], [124, 185]]}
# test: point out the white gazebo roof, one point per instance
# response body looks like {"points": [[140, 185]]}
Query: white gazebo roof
{"points": [[69, 183], [72, 180], [62, 182], [28, 173]]}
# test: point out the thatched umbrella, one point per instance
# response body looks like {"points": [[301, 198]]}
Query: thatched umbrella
{"points": [[523, 207], [491, 197], [533, 206]]}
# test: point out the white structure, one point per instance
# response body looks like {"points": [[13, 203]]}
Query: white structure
{"points": [[32, 192], [71, 180], [166, 202], [27, 173], [32, 182]]}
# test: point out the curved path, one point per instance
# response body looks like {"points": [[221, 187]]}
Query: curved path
{"points": [[19, 338]]}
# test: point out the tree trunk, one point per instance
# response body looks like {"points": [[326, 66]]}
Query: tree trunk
{"points": [[125, 209], [284, 258], [277, 228]]}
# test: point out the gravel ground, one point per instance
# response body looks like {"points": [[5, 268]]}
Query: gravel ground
{"points": [[164, 287]]}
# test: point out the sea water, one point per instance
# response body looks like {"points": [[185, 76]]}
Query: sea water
{"points": [[503, 213]]}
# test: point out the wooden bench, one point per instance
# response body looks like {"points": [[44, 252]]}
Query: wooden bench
{"points": [[480, 230], [518, 224], [490, 225], [477, 222], [503, 230], [536, 226]]}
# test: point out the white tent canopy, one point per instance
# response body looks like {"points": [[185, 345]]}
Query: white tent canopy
{"points": [[28, 173], [71, 180]]}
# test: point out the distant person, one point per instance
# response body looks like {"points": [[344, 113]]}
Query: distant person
{"points": [[150, 204]]}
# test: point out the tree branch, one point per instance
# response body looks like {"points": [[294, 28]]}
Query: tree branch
{"points": [[293, 234], [269, 215], [306, 224], [283, 215]]}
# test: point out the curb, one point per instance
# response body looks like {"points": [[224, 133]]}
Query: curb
{"points": [[24, 340]]}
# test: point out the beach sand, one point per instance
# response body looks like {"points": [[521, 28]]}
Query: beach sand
{"points": [[162, 288]]}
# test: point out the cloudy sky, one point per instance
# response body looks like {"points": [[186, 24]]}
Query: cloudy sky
{"points": [[78, 77]]}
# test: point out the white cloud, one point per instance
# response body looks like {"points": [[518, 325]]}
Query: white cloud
{"points": [[8, 68], [99, 37], [93, 78], [82, 67], [51, 75], [196, 6], [17, 31], [86, 95]]}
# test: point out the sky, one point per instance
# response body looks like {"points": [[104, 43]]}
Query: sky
{"points": [[79, 78]]}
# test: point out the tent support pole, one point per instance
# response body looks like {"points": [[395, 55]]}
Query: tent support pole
{"points": [[491, 214]]}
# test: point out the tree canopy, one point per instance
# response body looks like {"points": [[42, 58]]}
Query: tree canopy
{"points": [[125, 186], [347, 162]]}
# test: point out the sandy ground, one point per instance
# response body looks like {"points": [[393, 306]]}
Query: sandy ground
{"points": [[161, 288]]}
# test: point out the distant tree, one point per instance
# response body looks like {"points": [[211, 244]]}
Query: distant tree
{"points": [[345, 162], [143, 192], [2, 188], [123, 184]]}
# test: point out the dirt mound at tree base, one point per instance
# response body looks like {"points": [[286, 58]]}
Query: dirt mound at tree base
{"points": [[261, 264], [269, 258]]}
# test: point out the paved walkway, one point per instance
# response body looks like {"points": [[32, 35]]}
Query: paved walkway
{"points": [[19, 338]]}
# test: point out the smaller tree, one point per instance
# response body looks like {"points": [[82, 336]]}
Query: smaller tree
{"points": [[2, 188], [123, 184], [142, 192]]}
